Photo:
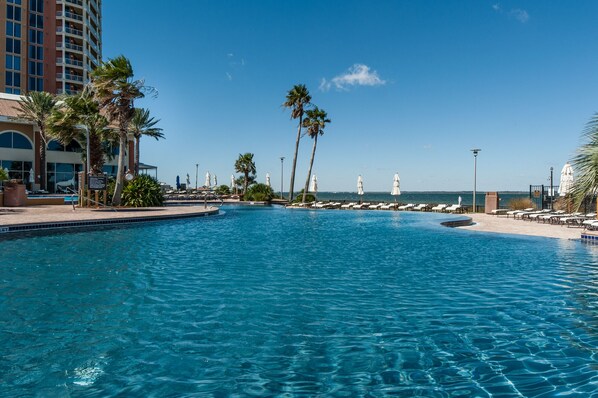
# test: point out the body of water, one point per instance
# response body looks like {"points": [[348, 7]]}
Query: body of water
{"points": [[279, 302]]}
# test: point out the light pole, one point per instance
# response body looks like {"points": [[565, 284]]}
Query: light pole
{"points": [[281, 174], [550, 190], [196, 170], [475, 168]]}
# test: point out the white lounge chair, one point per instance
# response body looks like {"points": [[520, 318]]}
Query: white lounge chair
{"points": [[408, 206], [454, 209], [515, 212], [348, 205], [440, 207], [374, 207], [386, 206], [421, 207], [361, 206]]}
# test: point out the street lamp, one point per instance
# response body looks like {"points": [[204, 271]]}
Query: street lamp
{"points": [[196, 170], [281, 174], [475, 167], [551, 189]]}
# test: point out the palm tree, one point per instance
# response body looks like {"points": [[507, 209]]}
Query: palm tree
{"points": [[245, 165], [585, 163], [37, 107], [315, 123], [115, 90], [298, 99], [143, 124], [78, 116]]}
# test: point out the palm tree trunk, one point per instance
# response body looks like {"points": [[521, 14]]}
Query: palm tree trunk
{"points": [[118, 188], [295, 159], [42, 160], [245, 183], [137, 139], [311, 163]]}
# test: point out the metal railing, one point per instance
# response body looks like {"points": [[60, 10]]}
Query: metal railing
{"points": [[70, 15], [68, 29], [69, 61]]}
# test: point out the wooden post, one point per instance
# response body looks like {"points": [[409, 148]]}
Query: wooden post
{"points": [[105, 198], [97, 199], [88, 196]]}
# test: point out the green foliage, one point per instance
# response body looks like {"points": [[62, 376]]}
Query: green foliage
{"points": [[143, 191], [308, 197], [259, 193], [245, 164], [521, 203], [222, 190], [3, 175]]}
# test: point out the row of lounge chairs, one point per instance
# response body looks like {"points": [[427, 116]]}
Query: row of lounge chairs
{"points": [[555, 217], [381, 206]]}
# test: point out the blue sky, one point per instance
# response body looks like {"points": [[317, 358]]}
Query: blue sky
{"points": [[410, 87]]}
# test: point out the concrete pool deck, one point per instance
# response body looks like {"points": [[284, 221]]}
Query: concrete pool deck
{"points": [[503, 225], [50, 217]]}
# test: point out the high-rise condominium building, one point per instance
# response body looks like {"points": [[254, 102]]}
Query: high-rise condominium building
{"points": [[50, 45]]}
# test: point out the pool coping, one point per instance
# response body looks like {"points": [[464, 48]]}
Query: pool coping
{"points": [[140, 217]]}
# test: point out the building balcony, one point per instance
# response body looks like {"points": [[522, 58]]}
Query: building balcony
{"points": [[94, 5], [93, 45], [75, 2], [70, 15], [68, 91], [70, 77], [92, 57], [94, 31], [69, 30], [69, 61], [70, 46]]}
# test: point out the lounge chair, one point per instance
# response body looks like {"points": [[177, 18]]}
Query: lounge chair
{"points": [[386, 206], [361, 206], [515, 212], [498, 212], [374, 207], [454, 209], [348, 205], [440, 207], [408, 206], [421, 207]]}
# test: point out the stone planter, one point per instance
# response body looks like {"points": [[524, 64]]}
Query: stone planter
{"points": [[14, 194]]}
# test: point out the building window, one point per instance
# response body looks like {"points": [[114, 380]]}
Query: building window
{"points": [[62, 177], [12, 139], [17, 169], [73, 146]]}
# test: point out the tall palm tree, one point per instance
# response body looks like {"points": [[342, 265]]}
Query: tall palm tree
{"points": [[585, 163], [245, 164], [37, 107], [315, 123], [78, 116], [143, 124], [298, 99], [115, 90]]}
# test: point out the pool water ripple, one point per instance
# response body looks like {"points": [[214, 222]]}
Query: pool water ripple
{"points": [[272, 302]]}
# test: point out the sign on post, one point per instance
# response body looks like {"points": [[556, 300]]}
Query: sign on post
{"points": [[97, 183]]}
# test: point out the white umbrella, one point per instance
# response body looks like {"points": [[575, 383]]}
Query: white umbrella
{"points": [[31, 176], [268, 179], [207, 182], [459, 201], [359, 185], [215, 180], [566, 180], [232, 181], [396, 185], [314, 184]]}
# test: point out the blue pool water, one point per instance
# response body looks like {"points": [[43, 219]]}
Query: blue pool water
{"points": [[275, 302]]}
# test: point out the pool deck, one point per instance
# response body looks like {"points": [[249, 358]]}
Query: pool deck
{"points": [[51, 217], [502, 225]]}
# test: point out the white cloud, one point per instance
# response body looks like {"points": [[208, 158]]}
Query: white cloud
{"points": [[229, 76], [516, 13], [356, 75], [520, 15]]}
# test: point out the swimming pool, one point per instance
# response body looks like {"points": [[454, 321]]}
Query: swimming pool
{"points": [[268, 301]]}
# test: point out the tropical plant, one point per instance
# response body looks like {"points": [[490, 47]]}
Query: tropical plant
{"points": [[585, 164], [78, 117], [259, 192], [142, 191], [115, 90], [37, 107], [3, 175], [245, 164], [521, 203], [308, 198], [222, 190], [297, 101], [314, 123], [143, 124]]}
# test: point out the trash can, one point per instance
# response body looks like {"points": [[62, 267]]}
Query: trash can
{"points": [[14, 194]]}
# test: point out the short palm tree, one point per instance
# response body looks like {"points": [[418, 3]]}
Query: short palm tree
{"points": [[315, 123], [298, 100], [585, 163], [115, 90], [143, 124], [37, 107], [245, 164], [78, 116]]}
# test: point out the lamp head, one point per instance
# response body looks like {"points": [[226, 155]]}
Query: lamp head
{"points": [[475, 151]]}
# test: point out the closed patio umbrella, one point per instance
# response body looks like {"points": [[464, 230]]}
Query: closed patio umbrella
{"points": [[207, 182], [566, 180], [268, 179], [215, 180], [360, 186], [314, 184], [396, 186]]}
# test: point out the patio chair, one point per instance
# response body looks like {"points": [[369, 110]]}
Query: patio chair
{"points": [[408, 206], [440, 207]]}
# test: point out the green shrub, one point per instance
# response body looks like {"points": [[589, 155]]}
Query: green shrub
{"points": [[142, 191], [308, 198], [521, 203], [222, 190], [3, 175], [259, 193]]}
